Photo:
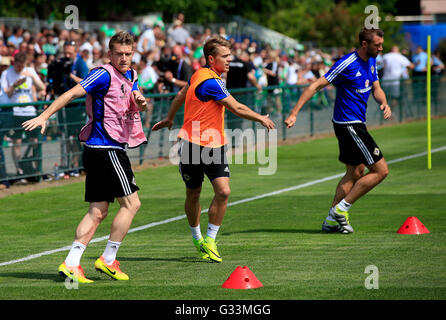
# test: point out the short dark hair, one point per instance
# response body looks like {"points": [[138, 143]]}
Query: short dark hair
{"points": [[366, 34], [211, 46], [20, 57], [122, 37]]}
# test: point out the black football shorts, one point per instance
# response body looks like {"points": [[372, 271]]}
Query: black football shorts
{"points": [[197, 161], [109, 174], [356, 145]]}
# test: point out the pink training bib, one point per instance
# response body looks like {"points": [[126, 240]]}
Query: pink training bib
{"points": [[122, 120]]}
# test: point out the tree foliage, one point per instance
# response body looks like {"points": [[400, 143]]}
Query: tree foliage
{"points": [[329, 23]]}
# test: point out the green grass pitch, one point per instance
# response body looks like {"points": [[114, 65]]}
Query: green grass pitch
{"points": [[277, 237]]}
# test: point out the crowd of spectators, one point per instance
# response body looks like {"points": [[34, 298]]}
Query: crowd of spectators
{"points": [[165, 59]]}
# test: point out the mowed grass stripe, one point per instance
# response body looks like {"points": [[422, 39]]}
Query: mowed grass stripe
{"points": [[180, 217]]}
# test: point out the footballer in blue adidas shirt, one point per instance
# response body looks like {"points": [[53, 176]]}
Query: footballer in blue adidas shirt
{"points": [[355, 78]]}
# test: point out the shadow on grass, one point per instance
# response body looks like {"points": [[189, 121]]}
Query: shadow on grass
{"points": [[181, 259], [307, 231], [37, 276]]}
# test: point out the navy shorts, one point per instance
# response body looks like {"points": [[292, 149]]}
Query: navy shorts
{"points": [[356, 145], [197, 161], [109, 174]]}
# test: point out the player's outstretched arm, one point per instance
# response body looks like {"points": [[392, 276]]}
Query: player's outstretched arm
{"points": [[306, 95], [40, 121], [176, 104], [245, 112], [380, 97]]}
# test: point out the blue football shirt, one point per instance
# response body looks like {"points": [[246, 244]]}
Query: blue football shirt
{"points": [[211, 89], [353, 79], [96, 84]]}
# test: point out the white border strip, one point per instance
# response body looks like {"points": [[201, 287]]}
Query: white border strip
{"points": [[265, 195]]}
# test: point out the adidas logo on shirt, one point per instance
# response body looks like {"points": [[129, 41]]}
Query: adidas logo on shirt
{"points": [[358, 74]]}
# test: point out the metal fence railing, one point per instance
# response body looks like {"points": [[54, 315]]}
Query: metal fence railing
{"points": [[35, 158]]}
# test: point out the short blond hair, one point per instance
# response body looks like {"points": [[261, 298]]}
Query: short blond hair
{"points": [[211, 46], [122, 37]]}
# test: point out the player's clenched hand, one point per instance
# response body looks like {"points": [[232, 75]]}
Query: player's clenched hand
{"points": [[34, 123], [386, 110], [290, 121], [163, 124]]}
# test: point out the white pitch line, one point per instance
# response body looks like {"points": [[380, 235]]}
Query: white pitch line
{"points": [[265, 195]]}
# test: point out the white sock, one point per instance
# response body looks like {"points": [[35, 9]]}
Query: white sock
{"points": [[196, 232], [74, 256], [111, 249], [344, 205], [212, 230]]}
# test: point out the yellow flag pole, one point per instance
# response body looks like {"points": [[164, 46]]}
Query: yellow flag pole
{"points": [[429, 156]]}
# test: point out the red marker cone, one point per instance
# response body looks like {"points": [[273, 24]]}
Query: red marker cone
{"points": [[242, 278], [412, 226]]}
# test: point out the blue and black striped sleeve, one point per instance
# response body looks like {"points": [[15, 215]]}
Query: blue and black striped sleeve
{"points": [[211, 89]]}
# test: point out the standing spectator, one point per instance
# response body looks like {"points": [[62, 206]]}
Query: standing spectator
{"points": [[147, 76], [30, 54], [394, 65], [205, 36], [5, 124], [182, 70], [380, 65], [49, 47], [437, 71], [76, 116], [39, 45], [419, 60], [3, 49], [62, 37], [178, 34], [23, 46], [20, 84], [63, 74], [271, 68], [11, 49], [292, 72], [2, 29], [305, 75], [80, 68], [89, 43], [16, 37], [437, 64], [291, 79], [164, 64], [222, 33], [97, 58], [241, 73], [146, 41]]}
